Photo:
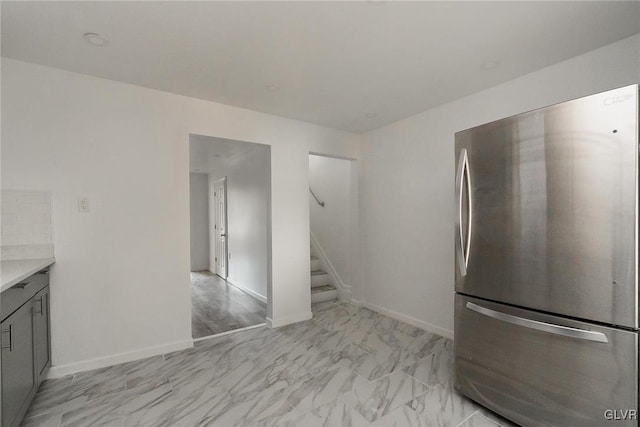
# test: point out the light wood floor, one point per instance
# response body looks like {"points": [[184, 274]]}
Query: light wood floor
{"points": [[218, 307]]}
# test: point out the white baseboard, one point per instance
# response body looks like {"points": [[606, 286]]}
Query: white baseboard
{"points": [[254, 294], [345, 295], [58, 371], [233, 331], [405, 318], [282, 321]]}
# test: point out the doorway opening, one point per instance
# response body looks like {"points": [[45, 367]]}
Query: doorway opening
{"points": [[219, 217], [333, 222], [230, 231]]}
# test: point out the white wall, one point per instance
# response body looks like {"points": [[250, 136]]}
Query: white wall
{"points": [[247, 215], [199, 215], [330, 179], [123, 269], [407, 207]]}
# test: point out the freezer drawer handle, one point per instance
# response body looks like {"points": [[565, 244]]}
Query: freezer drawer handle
{"points": [[540, 326], [462, 178]]}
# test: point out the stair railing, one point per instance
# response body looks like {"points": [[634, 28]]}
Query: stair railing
{"points": [[321, 203]]}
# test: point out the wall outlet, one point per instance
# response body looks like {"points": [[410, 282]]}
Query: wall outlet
{"points": [[83, 205]]}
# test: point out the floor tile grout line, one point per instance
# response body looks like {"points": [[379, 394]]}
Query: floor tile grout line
{"points": [[466, 419], [483, 414], [341, 397], [344, 402]]}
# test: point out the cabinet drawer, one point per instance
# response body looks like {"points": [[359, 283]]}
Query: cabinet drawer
{"points": [[543, 370], [19, 294]]}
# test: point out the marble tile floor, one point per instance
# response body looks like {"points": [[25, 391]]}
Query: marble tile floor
{"points": [[348, 366], [218, 307]]}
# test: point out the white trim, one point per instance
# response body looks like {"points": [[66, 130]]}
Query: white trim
{"points": [[58, 371], [343, 289], [282, 321], [429, 327], [345, 294], [248, 291], [222, 180], [233, 331]]}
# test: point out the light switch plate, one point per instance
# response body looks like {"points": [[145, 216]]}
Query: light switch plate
{"points": [[83, 205]]}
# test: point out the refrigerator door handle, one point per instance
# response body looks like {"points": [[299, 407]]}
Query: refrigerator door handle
{"points": [[462, 179], [540, 326]]}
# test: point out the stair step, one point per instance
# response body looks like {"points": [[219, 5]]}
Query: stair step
{"points": [[323, 293], [319, 278], [323, 288], [315, 263]]}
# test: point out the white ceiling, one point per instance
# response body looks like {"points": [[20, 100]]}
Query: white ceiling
{"points": [[333, 62]]}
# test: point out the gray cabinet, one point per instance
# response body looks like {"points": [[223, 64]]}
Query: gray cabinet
{"points": [[18, 376], [41, 333], [26, 349]]}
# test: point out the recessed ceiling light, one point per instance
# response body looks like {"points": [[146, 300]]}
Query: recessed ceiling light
{"points": [[95, 39], [490, 65], [370, 115], [273, 88]]}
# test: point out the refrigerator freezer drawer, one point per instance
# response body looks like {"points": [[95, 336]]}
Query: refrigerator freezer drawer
{"points": [[542, 370]]}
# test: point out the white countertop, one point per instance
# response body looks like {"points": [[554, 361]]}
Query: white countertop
{"points": [[12, 272]]}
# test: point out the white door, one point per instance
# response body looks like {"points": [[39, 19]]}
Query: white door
{"points": [[220, 226]]}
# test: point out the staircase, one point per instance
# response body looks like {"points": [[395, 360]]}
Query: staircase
{"points": [[321, 287]]}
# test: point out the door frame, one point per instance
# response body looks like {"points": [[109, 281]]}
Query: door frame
{"points": [[222, 180], [350, 290]]}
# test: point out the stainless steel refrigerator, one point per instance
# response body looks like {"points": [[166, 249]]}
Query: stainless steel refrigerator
{"points": [[546, 263]]}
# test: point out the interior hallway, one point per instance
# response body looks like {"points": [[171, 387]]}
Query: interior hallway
{"points": [[218, 307]]}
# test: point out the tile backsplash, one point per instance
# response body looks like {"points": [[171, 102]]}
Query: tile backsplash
{"points": [[27, 225]]}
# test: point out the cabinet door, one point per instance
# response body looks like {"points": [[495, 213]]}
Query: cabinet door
{"points": [[18, 379], [41, 332]]}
